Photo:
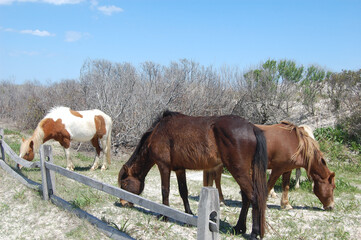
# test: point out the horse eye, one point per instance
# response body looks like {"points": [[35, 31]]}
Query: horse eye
{"points": [[323, 161]]}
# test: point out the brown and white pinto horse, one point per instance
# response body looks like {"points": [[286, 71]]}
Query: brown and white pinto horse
{"points": [[177, 142], [290, 147], [65, 125]]}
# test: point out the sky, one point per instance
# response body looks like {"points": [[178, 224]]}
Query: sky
{"points": [[49, 40]]}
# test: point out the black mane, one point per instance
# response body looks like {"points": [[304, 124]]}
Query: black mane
{"points": [[145, 136]]}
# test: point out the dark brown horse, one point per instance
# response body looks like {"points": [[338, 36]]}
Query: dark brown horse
{"points": [[290, 147], [176, 142]]}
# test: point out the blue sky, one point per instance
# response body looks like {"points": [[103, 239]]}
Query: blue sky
{"points": [[49, 40]]}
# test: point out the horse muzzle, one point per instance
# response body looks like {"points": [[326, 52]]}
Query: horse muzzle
{"points": [[125, 203], [329, 207]]}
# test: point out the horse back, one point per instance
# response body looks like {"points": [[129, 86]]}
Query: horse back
{"points": [[282, 143], [82, 125], [187, 142]]}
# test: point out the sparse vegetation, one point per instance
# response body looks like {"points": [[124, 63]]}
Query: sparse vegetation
{"points": [[133, 97]]}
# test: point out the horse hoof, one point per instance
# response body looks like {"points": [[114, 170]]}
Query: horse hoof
{"points": [[103, 168], [286, 207], [126, 203], [273, 195], [254, 236], [237, 231]]}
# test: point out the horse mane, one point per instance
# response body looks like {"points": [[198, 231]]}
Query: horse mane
{"points": [[149, 131], [308, 147], [38, 136], [168, 113]]}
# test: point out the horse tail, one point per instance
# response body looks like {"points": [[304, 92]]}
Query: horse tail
{"points": [[109, 142], [259, 178]]}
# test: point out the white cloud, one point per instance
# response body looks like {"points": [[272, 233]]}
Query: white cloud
{"points": [[109, 10], [55, 2], [22, 53], [61, 2], [37, 33], [73, 36]]}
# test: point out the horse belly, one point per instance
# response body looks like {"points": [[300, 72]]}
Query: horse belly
{"points": [[82, 132], [195, 160]]}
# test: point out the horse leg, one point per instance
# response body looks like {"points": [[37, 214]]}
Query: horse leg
{"points": [[183, 190], [105, 149], [272, 181], [285, 188], [207, 178], [256, 220], [95, 143], [241, 227], [272, 192], [218, 175], [65, 143], [165, 181], [211, 175], [69, 162], [298, 176]]}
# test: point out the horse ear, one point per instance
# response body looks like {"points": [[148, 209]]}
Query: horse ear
{"points": [[31, 144], [23, 139]]}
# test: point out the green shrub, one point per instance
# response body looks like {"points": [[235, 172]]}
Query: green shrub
{"points": [[336, 137]]}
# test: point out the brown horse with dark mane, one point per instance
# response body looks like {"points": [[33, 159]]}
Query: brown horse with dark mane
{"points": [[176, 142], [290, 147]]}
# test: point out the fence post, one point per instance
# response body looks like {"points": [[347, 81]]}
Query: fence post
{"points": [[1, 146], [208, 209], [48, 178]]}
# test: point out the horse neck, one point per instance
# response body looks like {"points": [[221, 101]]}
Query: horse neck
{"points": [[141, 166], [319, 168], [308, 150], [37, 137]]}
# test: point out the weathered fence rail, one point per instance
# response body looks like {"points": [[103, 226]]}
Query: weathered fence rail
{"points": [[5, 148], [207, 222]]}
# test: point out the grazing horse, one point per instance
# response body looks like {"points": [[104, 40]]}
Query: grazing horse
{"points": [[65, 125], [176, 142], [309, 131], [290, 147]]}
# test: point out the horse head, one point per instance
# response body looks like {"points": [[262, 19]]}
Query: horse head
{"points": [[27, 149], [129, 183], [324, 186]]}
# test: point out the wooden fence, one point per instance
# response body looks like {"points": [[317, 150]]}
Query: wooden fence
{"points": [[207, 221]]}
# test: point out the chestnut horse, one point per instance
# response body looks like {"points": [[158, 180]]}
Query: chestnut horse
{"points": [[176, 142], [65, 125], [290, 147], [309, 132]]}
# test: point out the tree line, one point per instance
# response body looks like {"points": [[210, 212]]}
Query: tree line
{"points": [[134, 96]]}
